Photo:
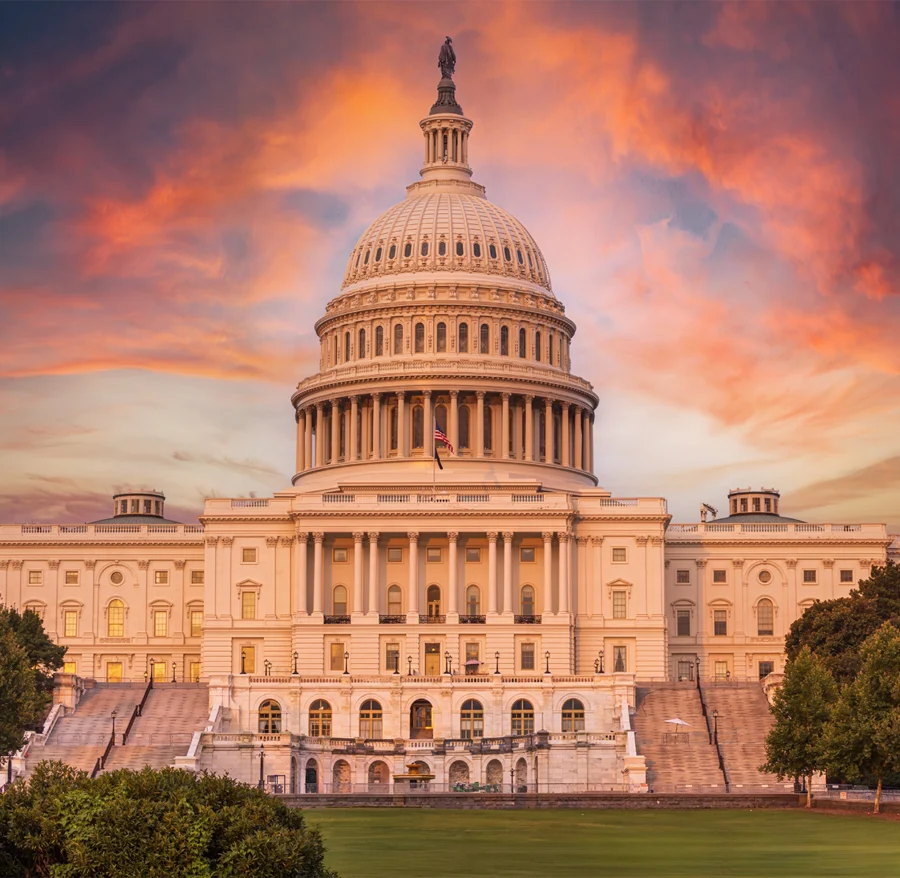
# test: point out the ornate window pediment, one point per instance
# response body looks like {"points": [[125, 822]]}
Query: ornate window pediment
{"points": [[248, 585], [619, 585]]}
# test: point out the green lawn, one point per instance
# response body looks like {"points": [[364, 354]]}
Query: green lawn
{"points": [[370, 843]]}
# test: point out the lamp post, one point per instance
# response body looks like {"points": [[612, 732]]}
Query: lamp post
{"points": [[152, 663], [294, 672], [547, 657], [497, 663], [243, 661], [262, 765], [716, 727], [113, 715], [173, 672], [409, 666], [346, 664], [600, 659], [698, 671], [447, 660], [512, 778], [268, 666]]}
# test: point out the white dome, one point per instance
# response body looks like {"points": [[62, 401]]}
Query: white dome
{"points": [[458, 230]]}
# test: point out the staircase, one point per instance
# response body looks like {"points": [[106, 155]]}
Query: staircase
{"points": [[679, 758], [744, 721]]}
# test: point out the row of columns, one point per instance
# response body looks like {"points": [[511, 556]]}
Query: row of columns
{"points": [[457, 145], [366, 429], [451, 592]]}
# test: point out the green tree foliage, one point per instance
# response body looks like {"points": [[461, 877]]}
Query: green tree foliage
{"points": [[802, 709], [44, 656], [151, 824], [863, 736], [835, 630]]}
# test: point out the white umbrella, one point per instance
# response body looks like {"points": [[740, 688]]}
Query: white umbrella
{"points": [[677, 722]]}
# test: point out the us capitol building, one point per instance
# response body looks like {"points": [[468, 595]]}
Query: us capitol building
{"points": [[486, 621]]}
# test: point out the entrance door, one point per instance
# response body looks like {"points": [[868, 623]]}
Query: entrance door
{"points": [[420, 723], [114, 672], [432, 659]]}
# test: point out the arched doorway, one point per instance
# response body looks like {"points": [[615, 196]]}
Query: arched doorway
{"points": [[421, 719], [459, 774], [340, 777], [379, 776], [494, 773], [521, 776], [311, 777]]}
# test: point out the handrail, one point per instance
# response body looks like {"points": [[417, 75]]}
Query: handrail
{"points": [[138, 711], [102, 760], [96, 769], [713, 738]]}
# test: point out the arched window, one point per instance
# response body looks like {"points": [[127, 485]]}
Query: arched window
{"points": [[493, 251], [537, 346], [573, 716], [464, 426], [484, 339], [488, 427], [424, 248], [530, 263], [339, 601], [320, 719], [269, 718], [358, 257], [459, 248], [433, 598], [527, 600], [441, 337], [473, 601], [522, 718], [398, 338], [440, 416], [519, 257], [378, 255], [507, 255], [464, 338], [523, 345], [394, 601], [418, 427], [379, 341], [393, 427], [115, 619], [420, 338], [765, 618], [442, 248], [407, 249], [366, 260], [370, 719], [392, 252], [476, 250], [346, 347], [361, 348], [471, 720], [504, 341]]}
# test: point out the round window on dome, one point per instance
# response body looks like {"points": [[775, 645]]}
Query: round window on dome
{"points": [[519, 257], [493, 251], [358, 257], [392, 252], [424, 250], [765, 576], [407, 250], [459, 248], [116, 578], [442, 248], [530, 263], [378, 255], [366, 260], [506, 255], [476, 250]]}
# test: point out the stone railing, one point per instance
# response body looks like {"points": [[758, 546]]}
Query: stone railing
{"points": [[50, 531], [448, 500], [711, 529]]}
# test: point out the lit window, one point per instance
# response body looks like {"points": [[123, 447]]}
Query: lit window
{"points": [[846, 576], [196, 623], [71, 577], [473, 655], [433, 555], [720, 623], [473, 556], [394, 601], [36, 609], [522, 717], [809, 576], [115, 619], [619, 555], [620, 659], [684, 623], [70, 668], [765, 618], [249, 655], [194, 672], [336, 654], [248, 605], [161, 577], [320, 719], [269, 718], [683, 577], [196, 577], [339, 555], [619, 604], [370, 720], [395, 554], [160, 623], [248, 556], [392, 657], [720, 669], [339, 601], [573, 716], [527, 656], [471, 720], [719, 576], [71, 619], [35, 577]]}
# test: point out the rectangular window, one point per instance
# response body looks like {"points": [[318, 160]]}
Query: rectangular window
{"points": [[433, 556], [196, 623], [720, 669], [248, 556], [161, 577], [249, 655], [135, 507], [472, 656], [527, 656], [756, 504], [526, 554], [35, 577], [336, 653], [766, 668], [71, 623], [34, 608], [620, 659], [765, 619], [339, 554], [71, 577], [392, 657], [720, 623], [394, 554], [194, 672], [684, 623], [473, 556], [620, 555], [846, 576], [160, 623], [809, 576], [685, 671], [196, 577], [148, 506], [248, 605], [620, 600], [114, 672], [70, 668], [719, 577], [743, 505], [683, 577], [768, 505]]}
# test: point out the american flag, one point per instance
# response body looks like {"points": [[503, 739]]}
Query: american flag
{"points": [[441, 436]]}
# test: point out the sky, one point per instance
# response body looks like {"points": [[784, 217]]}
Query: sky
{"points": [[715, 188]]}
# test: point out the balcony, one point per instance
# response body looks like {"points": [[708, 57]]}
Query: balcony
{"points": [[529, 619], [432, 620], [337, 620], [472, 620], [391, 620]]}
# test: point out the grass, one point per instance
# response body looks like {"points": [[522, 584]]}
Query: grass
{"points": [[370, 843]]}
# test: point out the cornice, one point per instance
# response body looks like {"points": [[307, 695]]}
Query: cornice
{"points": [[771, 540], [122, 542]]}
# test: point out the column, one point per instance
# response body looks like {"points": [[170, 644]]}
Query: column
{"points": [[504, 427], [345, 418], [453, 574], [590, 443], [335, 431], [300, 567], [365, 414], [318, 558], [479, 424], [579, 454], [454, 419], [402, 444], [548, 430], [413, 600], [358, 572], [354, 423], [529, 428], [586, 439], [377, 431], [301, 436], [517, 431], [548, 571], [565, 456], [563, 572], [428, 425], [373, 574], [492, 572], [320, 434], [507, 572], [308, 446]]}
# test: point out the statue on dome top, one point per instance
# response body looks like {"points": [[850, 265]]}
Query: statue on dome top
{"points": [[447, 59]]}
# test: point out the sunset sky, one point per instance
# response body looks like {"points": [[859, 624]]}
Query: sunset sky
{"points": [[716, 189]]}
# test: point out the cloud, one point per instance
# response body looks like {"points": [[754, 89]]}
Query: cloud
{"points": [[884, 475]]}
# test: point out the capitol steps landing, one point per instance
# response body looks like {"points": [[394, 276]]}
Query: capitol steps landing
{"points": [[679, 760]]}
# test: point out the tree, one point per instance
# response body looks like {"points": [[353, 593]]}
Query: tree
{"points": [[863, 736], [151, 824], [44, 656], [802, 708], [21, 702]]}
